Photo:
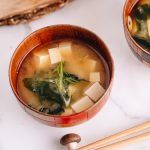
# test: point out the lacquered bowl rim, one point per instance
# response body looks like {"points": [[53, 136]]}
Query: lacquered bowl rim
{"points": [[126, 28], [59, 116]]}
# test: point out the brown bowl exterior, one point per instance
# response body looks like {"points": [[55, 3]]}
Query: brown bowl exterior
{"points": [[139, 52], [52, 33]]}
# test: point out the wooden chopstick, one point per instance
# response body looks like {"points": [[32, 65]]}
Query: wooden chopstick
{"points": [[145, 136], [117, 136]]}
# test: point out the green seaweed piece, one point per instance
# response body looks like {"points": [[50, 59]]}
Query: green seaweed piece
{"points": [[52, 87], [43, 89], [145, 43], [142, 12]]}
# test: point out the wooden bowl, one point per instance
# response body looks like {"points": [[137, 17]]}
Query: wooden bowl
{"points": [[140, 53], [48, 34]]}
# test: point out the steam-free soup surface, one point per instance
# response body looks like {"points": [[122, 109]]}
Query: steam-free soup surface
{"points": [[62, 78]]}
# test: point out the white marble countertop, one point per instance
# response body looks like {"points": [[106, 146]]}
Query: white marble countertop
{"points": [[128, 105]]}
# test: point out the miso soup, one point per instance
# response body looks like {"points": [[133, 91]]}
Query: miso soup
{"points": [[139, 23], [62, 78]]}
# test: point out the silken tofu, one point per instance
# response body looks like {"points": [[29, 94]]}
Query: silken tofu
{"points": [[42, 61], [94, 77], [82, 104], [55, 55], [95, 91], [65, 50]]}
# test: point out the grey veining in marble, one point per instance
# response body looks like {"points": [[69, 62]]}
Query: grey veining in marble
{"points": [[128, 105]]}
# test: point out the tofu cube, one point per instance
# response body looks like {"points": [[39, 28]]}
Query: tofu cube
{"points": [[42, 61], [65, 47], [94, 77], [68, 111], [148, 25], [95, 91], [55, 55], [65, 50], [82, 104]]}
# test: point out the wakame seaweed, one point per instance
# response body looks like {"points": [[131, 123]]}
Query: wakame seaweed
{"points": [[53, 88], [44, 89], [143, 42], [141, 14]]}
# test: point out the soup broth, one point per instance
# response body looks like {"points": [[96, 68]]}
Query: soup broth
{"points": [[139, 23], [62, 78]]}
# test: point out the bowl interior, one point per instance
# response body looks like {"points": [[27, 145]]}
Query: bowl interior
{"points": [[54, 33]]}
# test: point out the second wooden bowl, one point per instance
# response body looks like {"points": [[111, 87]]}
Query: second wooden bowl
{"points": [[140, 53]]}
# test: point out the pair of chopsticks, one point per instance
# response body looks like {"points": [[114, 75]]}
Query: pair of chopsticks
{"points": [[122, 138]]}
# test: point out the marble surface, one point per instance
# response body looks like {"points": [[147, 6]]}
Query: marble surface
{"points": [[128, 105]]}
